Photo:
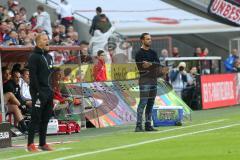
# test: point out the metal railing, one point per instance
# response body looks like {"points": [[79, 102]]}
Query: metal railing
{"points": [[76, 12]]}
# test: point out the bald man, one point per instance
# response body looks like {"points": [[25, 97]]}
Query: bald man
{"points": [[40, 66]]}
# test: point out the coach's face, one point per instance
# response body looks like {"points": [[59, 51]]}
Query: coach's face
{"points": [[43, 41], [147, 41]]}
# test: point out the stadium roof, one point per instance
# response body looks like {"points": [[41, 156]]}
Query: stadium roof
{"points": [[132, 17]]}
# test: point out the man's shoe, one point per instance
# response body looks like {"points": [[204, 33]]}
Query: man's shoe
{"points": [[32, 148], [45, 147], [139, 129], [150, 129], [22, 127]]}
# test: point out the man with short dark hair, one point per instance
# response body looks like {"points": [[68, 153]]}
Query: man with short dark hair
{"points": [[11, 87], [148, 65], [14, 87], [96, 18], [103, 24], [40, 66]]}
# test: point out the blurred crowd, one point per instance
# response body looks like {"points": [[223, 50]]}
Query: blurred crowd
{"points": [[17, 29]]}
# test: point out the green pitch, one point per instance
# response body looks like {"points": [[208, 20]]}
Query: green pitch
{"points": [[212, 134]]}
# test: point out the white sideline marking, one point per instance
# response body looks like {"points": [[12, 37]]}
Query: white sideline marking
{"points": [[190, 126], [145, 142], [167, 130], [36, 154]]}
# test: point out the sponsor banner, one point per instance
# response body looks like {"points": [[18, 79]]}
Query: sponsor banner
{"points": [[218, 90], [227, 11], [115, 103], [5, 135]]}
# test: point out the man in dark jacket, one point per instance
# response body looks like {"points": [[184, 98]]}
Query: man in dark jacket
{"points": [[148, 65], [103, 24], [95, 20], [40, 66], [14, 87]]}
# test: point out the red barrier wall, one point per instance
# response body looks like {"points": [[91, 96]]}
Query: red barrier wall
{"points": [[219, 90]]}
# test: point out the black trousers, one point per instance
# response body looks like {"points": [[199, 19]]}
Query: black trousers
{"points": [[66, 22], [39, 119]]}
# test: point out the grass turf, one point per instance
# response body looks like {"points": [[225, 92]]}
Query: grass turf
{"points": [[222, 144]]}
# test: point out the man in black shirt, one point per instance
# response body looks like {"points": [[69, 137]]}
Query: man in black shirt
{"points": [[40, 65], [13, 86], [148, 65]]}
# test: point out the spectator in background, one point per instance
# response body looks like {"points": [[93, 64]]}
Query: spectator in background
{"points": [[31, 37], [4, 30], [205, 65], [179, 79], [21, 26], [193, 73], [23, 14], [198, 52], [229, 62], [21, 37], [103, 24], [5, 14], [17, 20], [70, 29], [67, 75], [43, 21], [164, 55], [28, 27], [62, 32], [1, 12], [175, 52], [190, 93], [13, 8], [85, 57], [99, 69], [56, 40], [13, 38], [165, 66], [10, 3], [65, 13], [95, 20], [236, 67], [75, 38], [33, 19], [84, 44], [56, 29]]}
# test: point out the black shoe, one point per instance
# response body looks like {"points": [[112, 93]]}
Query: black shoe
{"points": [[23, 131], [22, 127], [150, 129], [139, 129]]}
